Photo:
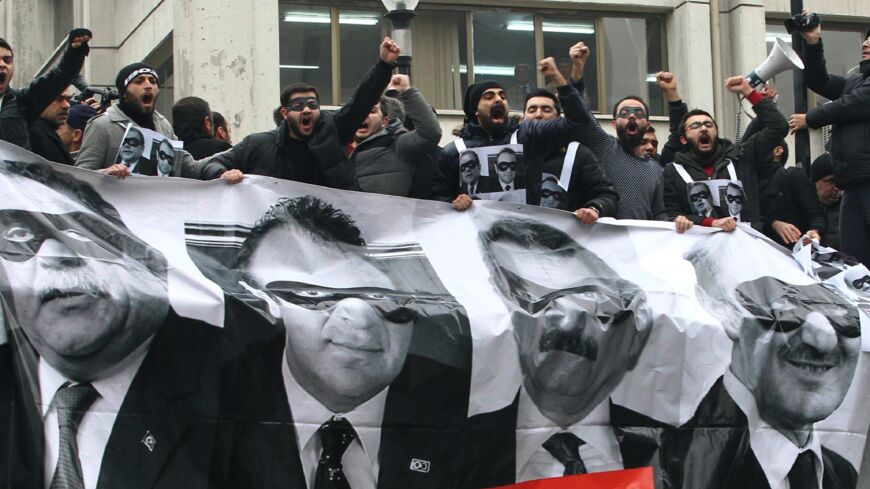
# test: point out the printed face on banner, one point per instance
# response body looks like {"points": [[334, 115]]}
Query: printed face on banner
{"points": [[796, 341], [348, 329], [147, 152], [733, 197], [85, 291], [701, 199], [568, 309], [494, 173], [801, 346]]}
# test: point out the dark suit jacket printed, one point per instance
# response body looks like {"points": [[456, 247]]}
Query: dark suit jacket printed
{"points": [[712, 451], [421, 417], [490, 441], [174, 397]]}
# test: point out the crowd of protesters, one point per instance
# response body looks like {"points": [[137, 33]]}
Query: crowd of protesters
{"points": [[386, 140]]}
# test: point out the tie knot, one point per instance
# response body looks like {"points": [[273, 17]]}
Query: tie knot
{"points": [[565, 447], [336, 435], [803, 473], [72, 402]]}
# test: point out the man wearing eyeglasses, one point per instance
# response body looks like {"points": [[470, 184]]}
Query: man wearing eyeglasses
{"points": [[706, 156], [579, 328], [309, 146], [796, 347], [339, 388], [112, 387]]}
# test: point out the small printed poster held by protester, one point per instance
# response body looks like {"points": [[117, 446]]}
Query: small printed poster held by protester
{"points": [[618, 479], [494, 173], [147, 152], [717, 198]]}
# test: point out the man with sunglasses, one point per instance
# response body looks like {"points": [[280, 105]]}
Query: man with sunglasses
{"points": [[165, 157], [706, 156], [579, 328], [506, 169], [309, 146], [339, 363], [701, 199], [132, 151], [110, 383], [796, 347]]}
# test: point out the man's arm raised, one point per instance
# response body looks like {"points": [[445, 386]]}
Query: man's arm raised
{"points": [[369, 91]]}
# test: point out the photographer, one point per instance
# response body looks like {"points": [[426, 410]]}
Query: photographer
{"points": [[850, 137], [19, 108]]}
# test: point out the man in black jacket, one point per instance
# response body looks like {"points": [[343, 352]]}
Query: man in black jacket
{"points": [[850, 137], [822, 173], [44, 140], [705, 156], [21, 107], [308, 146], [193, 124], [588, 192], [488, 124], [789, 203]]}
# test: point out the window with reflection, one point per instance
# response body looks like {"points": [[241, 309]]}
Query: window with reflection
{"points": [[560, 33], [504, 51], [305, 54]]}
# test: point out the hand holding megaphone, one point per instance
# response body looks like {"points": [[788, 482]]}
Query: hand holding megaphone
{"points": [[738, 84]]}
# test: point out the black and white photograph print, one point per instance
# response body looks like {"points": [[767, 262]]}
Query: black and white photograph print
{"points": [[701, 198], [494, 173], [732, 198], [147, 152]]}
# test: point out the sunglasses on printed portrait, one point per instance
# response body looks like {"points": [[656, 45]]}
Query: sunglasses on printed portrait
{"points": [[468, 166], [783, 307], [861, 282], [638, 112], [703, 195], [133, 142], [504, 166], [697, 125], [735, 198], [553, 194], [164, 155], [22, 234], [298, 104], [391, 305], [533, 298]]}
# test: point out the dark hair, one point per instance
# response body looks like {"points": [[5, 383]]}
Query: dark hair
{"points": [[733, 185], [297, 87], [83, 193], [693, 113], [385, 106], [321, 219], [276, 115], [542, 92], [507, 150], [187, 116], [630, 97], [784, 145], [650, 128], [5, 44], [218, 120]]}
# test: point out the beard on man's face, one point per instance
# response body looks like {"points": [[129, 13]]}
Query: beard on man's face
{"points": [[496, 120], [704, 146], [630, 134]]}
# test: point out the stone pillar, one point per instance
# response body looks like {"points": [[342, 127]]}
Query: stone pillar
{"points": [[28, 26], [743, 49], [226, 52], [689, 53]]}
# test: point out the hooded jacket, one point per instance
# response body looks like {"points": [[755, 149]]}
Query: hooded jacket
{"points": [[750, 160], [848, 113], [385, 162]]}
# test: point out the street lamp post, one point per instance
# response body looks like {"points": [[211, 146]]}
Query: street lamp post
{"points": [[401, 13]]}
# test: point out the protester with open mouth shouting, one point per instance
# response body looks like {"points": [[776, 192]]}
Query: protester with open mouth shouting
{"points": [[309, 146], [706, 156], [139, 86], [486, 108]]}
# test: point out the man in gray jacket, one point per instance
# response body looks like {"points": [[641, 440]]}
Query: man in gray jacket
{"points": [[384, 154], [139, 86]]}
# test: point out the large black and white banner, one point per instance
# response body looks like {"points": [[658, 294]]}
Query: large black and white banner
{"points": [[166, 333]]}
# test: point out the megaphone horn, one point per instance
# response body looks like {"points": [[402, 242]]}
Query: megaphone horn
{"points": [[780, 59]]}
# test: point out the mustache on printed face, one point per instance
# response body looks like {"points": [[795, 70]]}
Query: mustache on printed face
{"points": [[807, 357], [571, 341], [64, 284]]}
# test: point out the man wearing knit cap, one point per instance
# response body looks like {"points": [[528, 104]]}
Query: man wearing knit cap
{"points": [[822, 174], [850, 136], [73, 130], [488, 124], [138, 85], [19, 108]]}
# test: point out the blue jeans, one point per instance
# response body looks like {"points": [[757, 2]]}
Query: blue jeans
{"points": [[855, 222]]}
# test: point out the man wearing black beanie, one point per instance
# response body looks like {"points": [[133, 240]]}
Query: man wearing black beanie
{"points": [[138, 86], [487, 124]]}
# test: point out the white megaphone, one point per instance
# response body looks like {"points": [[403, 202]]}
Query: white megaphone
{"points": [[780, 59]]}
